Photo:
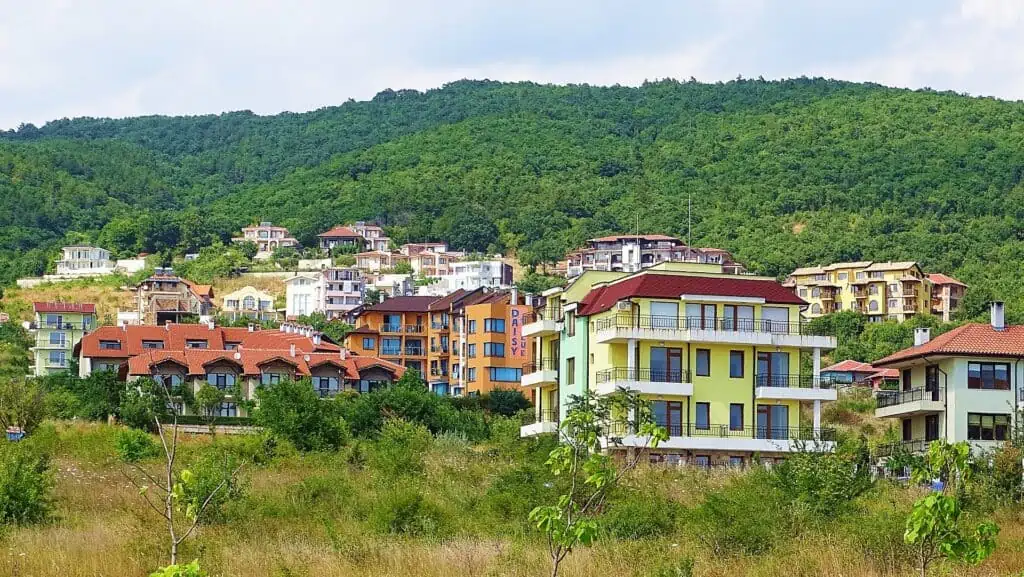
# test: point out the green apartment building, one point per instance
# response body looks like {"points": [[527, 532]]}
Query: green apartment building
{"points": [[57, 328]]}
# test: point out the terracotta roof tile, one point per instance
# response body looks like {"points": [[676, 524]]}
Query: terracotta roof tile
{"points": [[849, 366], [404, 304], [652, 285], [974, 339], [60, 307], [250, 361], [174, 336], [939, 278], [340, 231]]}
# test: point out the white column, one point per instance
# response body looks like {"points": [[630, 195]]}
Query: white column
{"points": [[631, 355], [817, 384]]}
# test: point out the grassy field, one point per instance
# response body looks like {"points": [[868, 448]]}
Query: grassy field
{"points": [[458, 511]]}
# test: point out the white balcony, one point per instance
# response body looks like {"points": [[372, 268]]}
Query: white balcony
{"points": [[644, 381], [540, 374], [794, 388], [723, 438], [720, 330], [541, 328], [539, 428], [907, 403]]}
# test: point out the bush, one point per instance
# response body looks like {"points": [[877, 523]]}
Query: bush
{"points": [[408, 512], [26, 486], [681, 568], [134, 445], [746, 517], [142, 402], [640, 516], [293, 411], [516, 491], [409, 400], [190, 570], [22, 404], [879, 538], [823, 485], [506, 402], [212, 469], [401, 449]]}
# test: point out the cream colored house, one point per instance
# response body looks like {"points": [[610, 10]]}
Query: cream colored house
{"points": [[249, 302]]}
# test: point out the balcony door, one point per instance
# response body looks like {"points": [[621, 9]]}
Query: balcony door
{"points": [[772, 422], [666, 365], [772, 369], [669, 414], [700, 316], [737, 318], [664, 315], [931, 427], [775, 319], [931, 381]]}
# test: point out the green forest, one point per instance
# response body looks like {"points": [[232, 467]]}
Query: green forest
{"points": [[782, 173]]}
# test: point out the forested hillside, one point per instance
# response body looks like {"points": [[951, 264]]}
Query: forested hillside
{"points": [[783, 174]]}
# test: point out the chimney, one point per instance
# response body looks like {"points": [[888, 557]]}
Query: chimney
{"points": [[383, 295], [167, 326], [998, 316], [316, 339], [292, 349], [252, 328], [343, 353], [922, 335], [515, 296], [283, 328], [212, 324]]}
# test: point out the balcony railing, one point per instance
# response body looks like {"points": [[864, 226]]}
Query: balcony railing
{"points": [[648, 375], [912, 446], [58, 326], [327, 393], [542, 365], [438, 348], [787, 381], [549, 312], [893, 398], [391, 328], [436, 372], [391, 351], [706, 323], [729, 431], [414, 328], [439, 326], [545, 416], [414, 351]]}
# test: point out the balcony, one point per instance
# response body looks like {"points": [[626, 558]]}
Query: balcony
{"points": [[710, 330], [438, 372], [540, 374], [413, 329], [915, 446], [45, 344], [413, 351], [544, 322], [439, 348], [645, 381], [912, 402], [688, 436], [391, 351], [391, 329], [544, 422], [794, 387], [439, 326]]}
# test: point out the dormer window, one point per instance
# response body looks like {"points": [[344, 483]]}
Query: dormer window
{"points": [[152, 344], [197, 344], [110, 345]]}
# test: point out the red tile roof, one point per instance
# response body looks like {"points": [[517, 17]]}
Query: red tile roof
{"points": [[939, 278], [974, 339], [615, 237], [52, 307], [250, 361], [415, 304], [850, 366], [653, 285], [340, 231], [886, 374], [174, 336]]}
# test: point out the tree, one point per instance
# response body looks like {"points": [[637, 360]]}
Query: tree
{"points": [[534, 283], [507, 402], [590, 473], [933, 526], [292, 410], [402, 267], [371, 296], [208, 401], [22, 405]]}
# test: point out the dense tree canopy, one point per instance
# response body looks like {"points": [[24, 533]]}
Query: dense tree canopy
{"points": [[783, 174]]}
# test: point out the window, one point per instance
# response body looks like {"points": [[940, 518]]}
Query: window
{"points": [[815, 309], [231, 346], [249, 303], [908, 430], [196, 344], [472, 326], [570, 323], [703, 362], [702, 461], [736, 462], [57, 359], [931, 427], [736, 417], [110, 345], [231, 304], [669, 414], [494, 349], [570, 369], [325, 386], [270, 378], [893, 303], [505, 374], [222, 381], [57, 338], [843, 276], [112, 367], [988, 376], [170, 381], [494, 325], [735, 364], [369, 343], [54, 320], [907, 383], [984, 427], [703, 420], [471, 350], [815, 292], [152, 344], [803, 293], [471, 374], [873, 306], [226, 410]]}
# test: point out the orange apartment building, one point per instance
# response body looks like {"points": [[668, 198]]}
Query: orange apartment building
{"points": [[465, 343]]}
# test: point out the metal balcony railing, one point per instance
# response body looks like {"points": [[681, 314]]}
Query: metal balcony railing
{"points": [[737, 432], [627, 321], [543, 416], [388, 328], [414, 328], [436, 348], [911, 446], [893, 398], [787, 381], [414, 351], [391, 351], [649, 375], [439, 326], [542, 365]]}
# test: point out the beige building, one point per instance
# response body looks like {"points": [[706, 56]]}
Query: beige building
{"points": [[880, 290], [249, 302]]}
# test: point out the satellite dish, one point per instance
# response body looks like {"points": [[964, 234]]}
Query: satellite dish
{"points": [[238, 356], [306, 358]]}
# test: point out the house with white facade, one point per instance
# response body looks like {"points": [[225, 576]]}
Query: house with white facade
{"points": [[83, 261], [333, 291], [963, 385], [392, 285], [303, 294], [251, 303]]}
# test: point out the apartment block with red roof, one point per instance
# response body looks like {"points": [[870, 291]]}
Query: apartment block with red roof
{"points": [[57, 328], [232, 359], [963, 385], [716, 354], [946, 292]]}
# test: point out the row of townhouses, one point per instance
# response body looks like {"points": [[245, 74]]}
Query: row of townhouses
{"points": [[632, 252], [881, 290]]}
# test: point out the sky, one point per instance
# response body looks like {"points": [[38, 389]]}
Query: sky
{"points": [[117, 58]]}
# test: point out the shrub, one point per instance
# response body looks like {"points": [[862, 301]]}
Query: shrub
{"points": [[878, 535], [506, 402], [134, 445], [141, 403], [516, 491], [408, 512], [822, 484], [401, 448], [640, 516], [190, 570], [746, 517], [22, 404], [681, 568], [292, 410], [26, 486], [212, 469], [409, 400]]}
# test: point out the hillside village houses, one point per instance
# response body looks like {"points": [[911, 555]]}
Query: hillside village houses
{"points": [[267, 238], [963, 385], [333, 291], [632, 252], [470, 275], [82, 261], [881, 290]]}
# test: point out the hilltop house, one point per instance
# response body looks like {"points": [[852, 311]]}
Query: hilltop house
{"points": [[267, 238], [83, 261], [630, 253]]}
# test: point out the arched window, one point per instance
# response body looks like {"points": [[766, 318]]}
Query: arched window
{"points": [[249, 303], [873, 306], [816, 308]]}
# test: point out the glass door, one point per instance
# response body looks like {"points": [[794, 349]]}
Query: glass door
{"points": [[772, 422], [773, 369]]}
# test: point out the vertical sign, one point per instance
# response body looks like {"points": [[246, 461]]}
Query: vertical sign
{"points": [[517, 342]]}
